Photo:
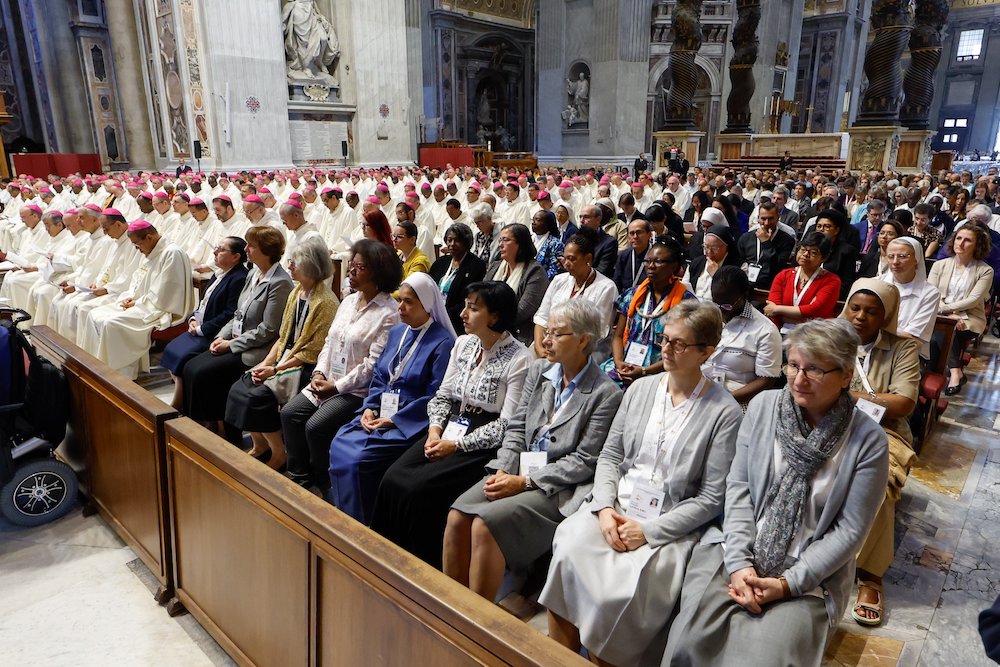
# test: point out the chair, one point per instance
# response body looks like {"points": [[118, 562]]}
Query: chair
{"points": [[931, 403]]}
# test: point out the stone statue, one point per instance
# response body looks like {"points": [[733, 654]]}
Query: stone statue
{"points": [[891, 22], [745, 47], [483, 113], [678, 105], [579, 91], [925, 54], [481, 135], [569, 115], [505, 138], [311, 46]]}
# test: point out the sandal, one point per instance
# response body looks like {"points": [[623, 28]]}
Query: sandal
{"points": [[875, 607]]}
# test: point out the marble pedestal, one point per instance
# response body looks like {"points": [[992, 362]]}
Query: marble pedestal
{"points": [[320, 132], [681, 140], [873, 147], [915, 150], [733, 146]]}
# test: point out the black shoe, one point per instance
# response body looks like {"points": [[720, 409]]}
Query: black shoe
{"points": [[951, 391], [263, 458]]}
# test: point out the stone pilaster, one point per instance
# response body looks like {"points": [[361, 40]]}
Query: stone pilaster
{"points": [[741, 79], [925, 54], [891, 20], [679, 114]]}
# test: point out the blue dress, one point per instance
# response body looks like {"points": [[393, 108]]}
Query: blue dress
{"points": [[359, 459], [549, 254]]}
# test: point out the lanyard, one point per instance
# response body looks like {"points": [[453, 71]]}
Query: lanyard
{"points": [[679, 423], [757, 239], [796, 294], [591, 279], [447, 279], [301, 312], [394, 374], [468, 372], [648, 315], [861, 369], [732, 339]]}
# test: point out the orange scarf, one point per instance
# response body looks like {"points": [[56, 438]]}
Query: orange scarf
{"points": [[674, 297]]}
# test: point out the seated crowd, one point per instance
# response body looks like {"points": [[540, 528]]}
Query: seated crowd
{"points": [[705, 448]]}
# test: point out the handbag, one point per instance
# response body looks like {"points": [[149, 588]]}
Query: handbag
{"points": [[286, 383]]}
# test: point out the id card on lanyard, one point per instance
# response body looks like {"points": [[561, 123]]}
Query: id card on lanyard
{"points": [[796, 294], [637, 353], [870, 408], [753, 268]]}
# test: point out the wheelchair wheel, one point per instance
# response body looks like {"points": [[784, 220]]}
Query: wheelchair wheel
{"points": [[40, 491]]}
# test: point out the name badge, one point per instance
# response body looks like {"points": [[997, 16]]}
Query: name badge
{"points": [[390, 404], [238, 325], [857, 266], [636, 354], [873, 410], [753, 272], [338, 363], [645, 503], [717, 376], [456, 428], [532, 462]]}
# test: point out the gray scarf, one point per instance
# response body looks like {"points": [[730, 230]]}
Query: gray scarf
{"points": [[805, 451]]}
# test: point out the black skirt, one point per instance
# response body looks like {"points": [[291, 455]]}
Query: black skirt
{"points": [[207, 379], [181, 350], [413, 501], [253, 407]]}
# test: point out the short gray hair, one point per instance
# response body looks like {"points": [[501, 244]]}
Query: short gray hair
{"points": [[980, 213], [704, 320], [831, 340], [583, 319], [781, 190], [312, 259], [480, 211]]}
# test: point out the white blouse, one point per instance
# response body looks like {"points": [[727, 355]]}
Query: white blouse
{"points": [[602, 293]]}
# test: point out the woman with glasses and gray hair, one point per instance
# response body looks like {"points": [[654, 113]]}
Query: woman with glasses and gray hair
{"points": [[617, 563], [809, 474], [545, 467]]}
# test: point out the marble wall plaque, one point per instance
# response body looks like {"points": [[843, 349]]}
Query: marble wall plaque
{"points": [[317, 141]]}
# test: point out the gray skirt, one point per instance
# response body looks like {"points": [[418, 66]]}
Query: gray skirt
{"points": [[622, 602], [711, 629], [523, 525]]}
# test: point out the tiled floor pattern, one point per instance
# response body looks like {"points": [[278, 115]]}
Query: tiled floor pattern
{"points": [[72, 594]]}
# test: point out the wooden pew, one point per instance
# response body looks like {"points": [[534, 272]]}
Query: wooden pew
{"points": [[117, 443], [280, 577]]}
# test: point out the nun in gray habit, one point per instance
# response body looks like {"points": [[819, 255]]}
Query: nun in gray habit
{"points": [[808, 477], [618, 562]]}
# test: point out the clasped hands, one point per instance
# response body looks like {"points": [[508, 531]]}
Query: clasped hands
{"points": [[322, 387], [435, 448], [621, 533], [502, 484], [751, 591], [262, 371], [369, 422]]}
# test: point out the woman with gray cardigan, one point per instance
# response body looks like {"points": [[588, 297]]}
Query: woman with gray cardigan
{"points": [[247, 338], [618, 563], [545, 467], [517, 267], [808, 477]]}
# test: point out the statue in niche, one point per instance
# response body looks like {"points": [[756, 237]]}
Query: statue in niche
{"points": [[311, 46], [569, 115], [482, 136], [505, 138], [483, 114], [579, 92]]}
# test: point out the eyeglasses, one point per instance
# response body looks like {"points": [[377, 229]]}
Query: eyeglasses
{"points": [[901, 257], [554, 334], [357, 267], [398, 237], [813, 373], [676, 344], [503, 241], [730, 307], [809, 252], [706, 246]]}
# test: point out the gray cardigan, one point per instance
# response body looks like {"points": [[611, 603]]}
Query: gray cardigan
{"points": [[696, 486], [529, 294], [828, 560], [262, 309], [575, 437]]}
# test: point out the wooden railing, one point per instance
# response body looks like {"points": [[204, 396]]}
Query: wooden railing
{"points": [[116, 443], [275, 574]]}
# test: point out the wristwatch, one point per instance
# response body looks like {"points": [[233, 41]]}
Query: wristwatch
{"points": [[528, 484]]}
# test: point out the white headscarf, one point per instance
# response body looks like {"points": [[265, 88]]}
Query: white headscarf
{"points": [[430, 298], [569, 209], [918, 253]]}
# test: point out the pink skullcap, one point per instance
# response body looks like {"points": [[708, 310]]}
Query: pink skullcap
{"points": [[34, 207], [93, 207], [25, 187], [112, 182], [544, 195], [185, 196], [263, 191], [90, 181], [225, 198], [137, 225], [352, 192], [425, 186], [196, 180], [439, 187], [294, 195], [605, 180], [475, 186], [497, 184], [71, 211], [146, 195], [309, 188], [111, 211], [252, 199], [381, 187], [337, 192], [77, 181], [638, 185], [295, 203], [411, 195], [372, 200], [566, 184], [197, 202], [576, 179], [161, 195], [55, 212], [45, 191]]}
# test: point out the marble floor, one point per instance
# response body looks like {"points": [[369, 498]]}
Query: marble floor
{"points": [[72, 593]]}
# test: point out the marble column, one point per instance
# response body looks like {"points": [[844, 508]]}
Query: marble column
{"points": [[128, 62], [891, 20], [741, 79], [925, 54], [683, 70]]}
